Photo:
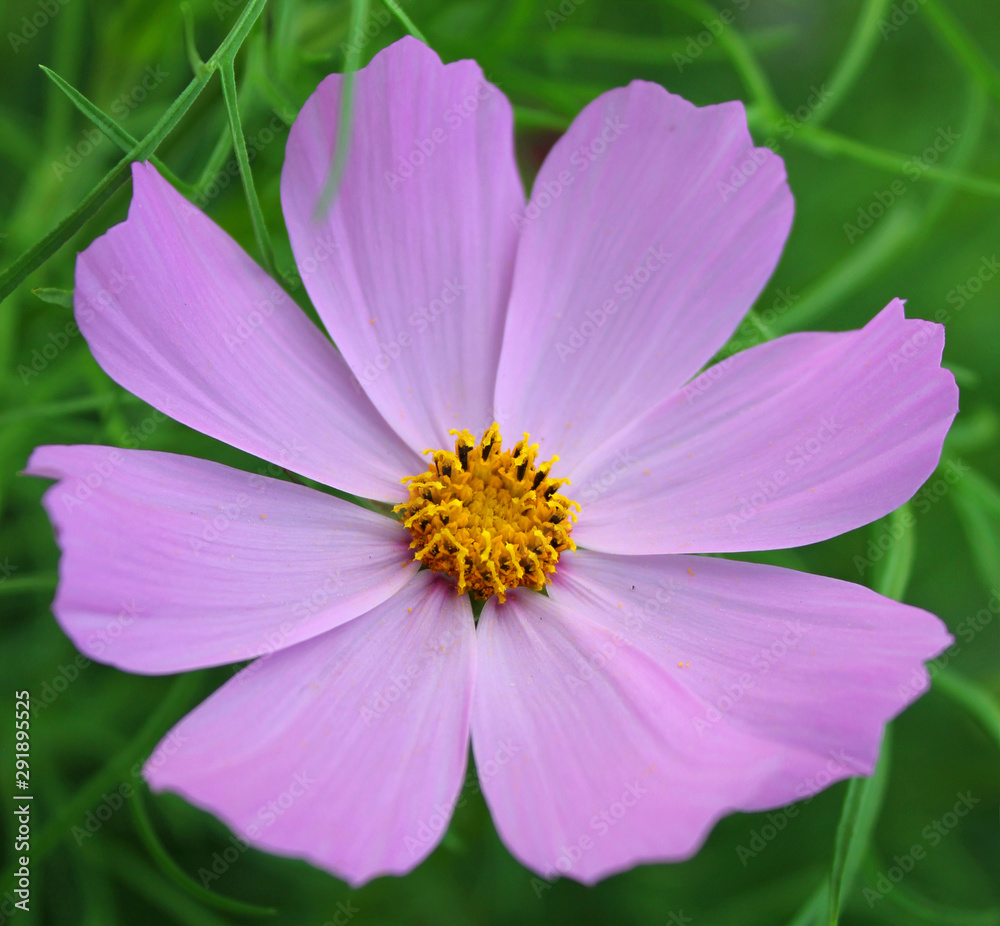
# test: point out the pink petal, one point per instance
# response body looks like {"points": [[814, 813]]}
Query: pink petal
{"points": [[171, 563], [809, 668], [788, 443], [415, 294], [635, 262], [348, 750], [176, 312], [585, 749]]}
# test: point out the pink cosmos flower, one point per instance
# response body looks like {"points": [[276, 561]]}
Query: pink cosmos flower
{"points": [[613, 719]]}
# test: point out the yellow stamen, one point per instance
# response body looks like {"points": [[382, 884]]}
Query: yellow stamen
{"points": [[489, 517]]}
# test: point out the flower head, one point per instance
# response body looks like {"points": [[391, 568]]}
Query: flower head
{"points": [[648, 691]]}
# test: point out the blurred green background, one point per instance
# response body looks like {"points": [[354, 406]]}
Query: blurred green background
{"points": [[888, 117]]}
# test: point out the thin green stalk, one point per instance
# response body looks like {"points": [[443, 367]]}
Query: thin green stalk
{"points": [[962, 46], [408, 24], [862, 806], [902, 229], [124, 864], [40, 582], [742, 56], [65, 407], [40, 252], [223, 145], [177, 874], [857, 53], [176, 701], [227, 72], [111, 128], [827, 142]]}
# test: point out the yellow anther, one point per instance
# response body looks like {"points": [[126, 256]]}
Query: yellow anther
{"points": [[487, 516]]}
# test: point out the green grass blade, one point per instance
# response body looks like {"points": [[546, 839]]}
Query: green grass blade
{"points": [[854, 832], [228, 74], [893, 577], [359, 12], [111, 128]]}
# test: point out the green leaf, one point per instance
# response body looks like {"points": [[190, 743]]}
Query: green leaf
{"points": [[59, 297]]}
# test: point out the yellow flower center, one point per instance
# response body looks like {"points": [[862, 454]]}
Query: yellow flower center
{"points": [[487, 516]]}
